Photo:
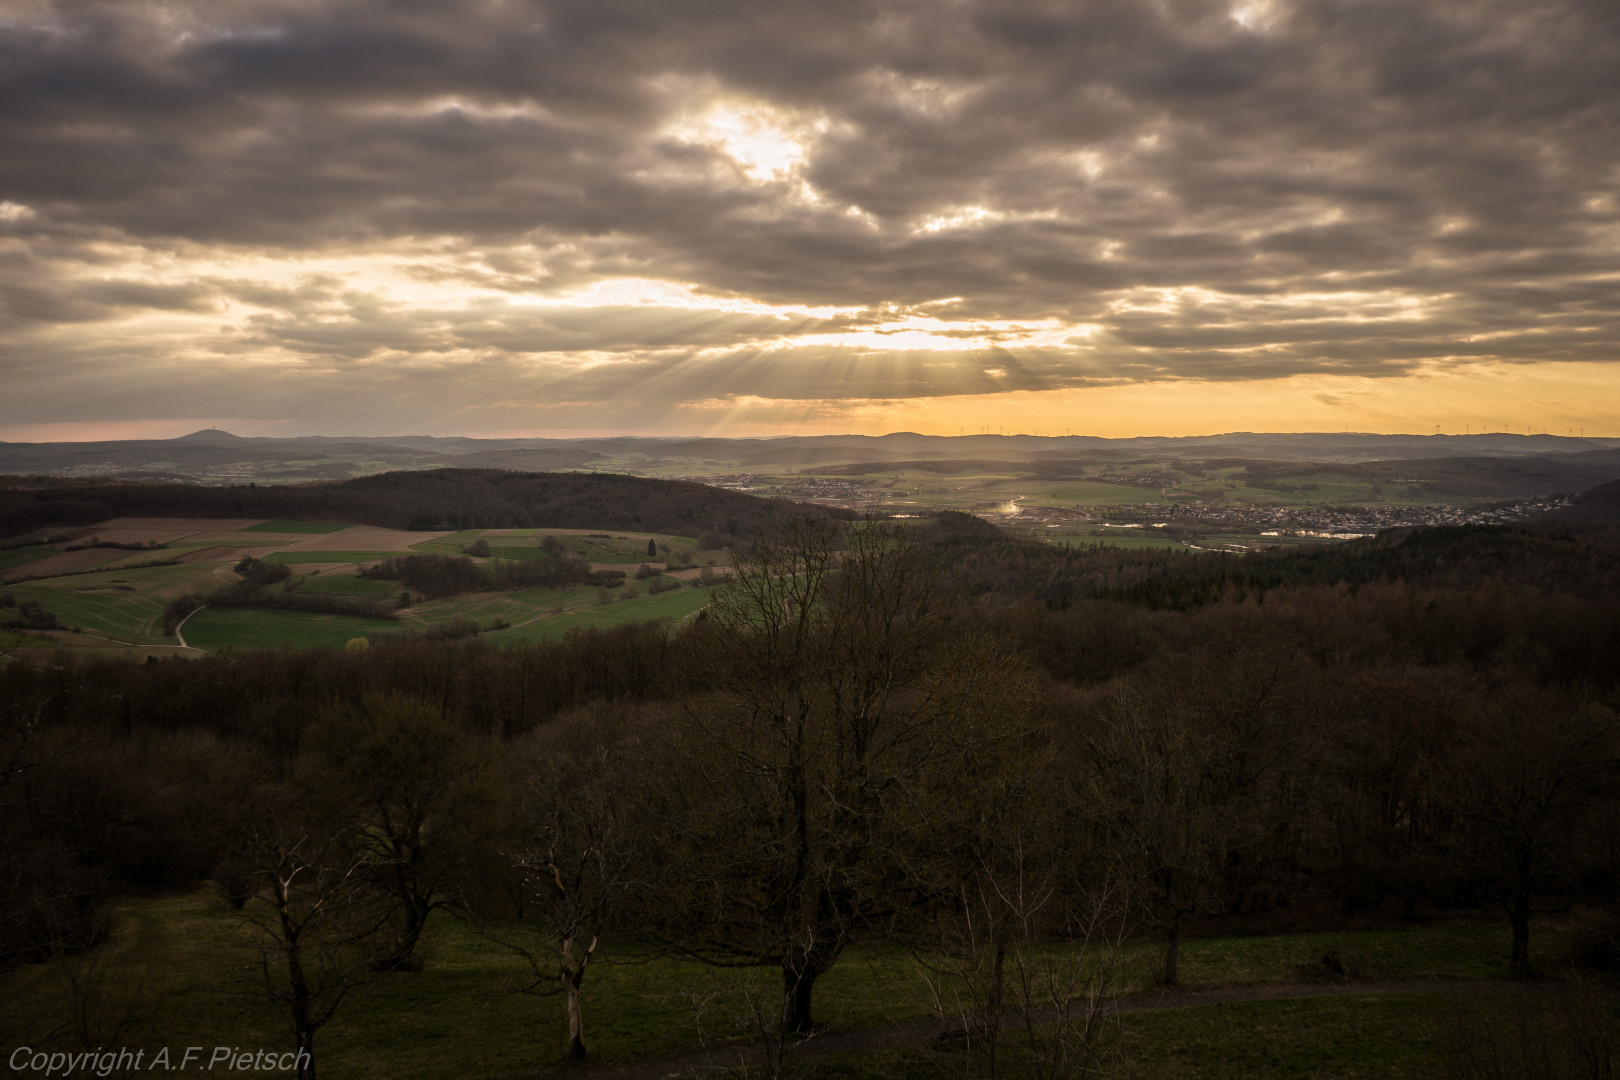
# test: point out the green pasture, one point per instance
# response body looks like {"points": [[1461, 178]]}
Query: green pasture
{"points": [[483, 608], [262, 628], [1119, 538], [179, 971], [674, 604], [1084, 492], [348, 585], [308, 527], [1324, 488], [451, 544], [516, 553], [125, 604], [317, 556]]}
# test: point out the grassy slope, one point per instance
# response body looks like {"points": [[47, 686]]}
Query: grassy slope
{"points": [[178, 961], [675, 604], [348, 585], [257, 628], [97, 603]]}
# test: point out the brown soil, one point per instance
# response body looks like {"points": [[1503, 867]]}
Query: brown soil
{"points": [[230, 553], [167, 530], [363, 538], [67, 562]]}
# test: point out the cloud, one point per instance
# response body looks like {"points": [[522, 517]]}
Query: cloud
{"points": [[397, 195]]}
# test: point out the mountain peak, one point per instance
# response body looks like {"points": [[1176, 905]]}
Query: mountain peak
{"points": [[210, 435]]}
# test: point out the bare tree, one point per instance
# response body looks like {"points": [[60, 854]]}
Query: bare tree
{"points": [[1530, 782], [836, 691], [420, 796], [578, 853], [1154, 785], [315, 923]]}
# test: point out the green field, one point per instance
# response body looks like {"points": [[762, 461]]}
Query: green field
{"points": [[315, 528], [1083, 492], [316, 556], [259, 628], [125, 604], [177, 970], [1120, 538], [483, 608], [452, 544], [675, 604], [348, 585]]}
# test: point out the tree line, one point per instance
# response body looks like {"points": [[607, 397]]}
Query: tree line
{"points": [[428, 500]]}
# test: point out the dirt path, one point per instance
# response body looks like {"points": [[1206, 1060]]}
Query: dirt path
{"points": [[911, 1032], [182, 625]]}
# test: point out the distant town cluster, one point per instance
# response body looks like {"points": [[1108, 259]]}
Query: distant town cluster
{"points": [[1344, 520]]}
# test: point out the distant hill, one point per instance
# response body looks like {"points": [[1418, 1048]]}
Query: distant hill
{"points": [[1599, 506], [215, 456], [211, 435], [437, 499]]}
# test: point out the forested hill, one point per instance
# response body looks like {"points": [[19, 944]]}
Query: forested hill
{"points": [[432, 499], [1582, 562]]}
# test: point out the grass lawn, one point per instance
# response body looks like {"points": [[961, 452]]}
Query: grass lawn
{"points": [[258, 628], [177, 972], [310, 528]]}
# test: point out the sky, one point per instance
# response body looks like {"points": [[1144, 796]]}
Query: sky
{"points": [[727, 217]]}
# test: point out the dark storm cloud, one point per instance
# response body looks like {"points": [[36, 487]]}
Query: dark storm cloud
{"points": [[1222, 190]]}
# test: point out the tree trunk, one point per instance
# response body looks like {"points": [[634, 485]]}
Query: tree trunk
{"points": [[796, 988], [1173, 949], [1519, 917], [305, 1062], [403, 955], [576, 1020]]}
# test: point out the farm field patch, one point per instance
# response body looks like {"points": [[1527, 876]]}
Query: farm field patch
{"points": [[23, 556], [348, 585], [482, 608], [125, 604], [69, 562], [1119, 538], [319, 556], [257, 628], [1085, 492], [362, 538], [675, 604], [311, 528]]}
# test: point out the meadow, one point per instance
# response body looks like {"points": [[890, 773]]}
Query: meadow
{"points": [[121, 602], [179, 970]]}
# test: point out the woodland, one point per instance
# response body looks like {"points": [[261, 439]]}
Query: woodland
{"points": [[946, 740]]}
